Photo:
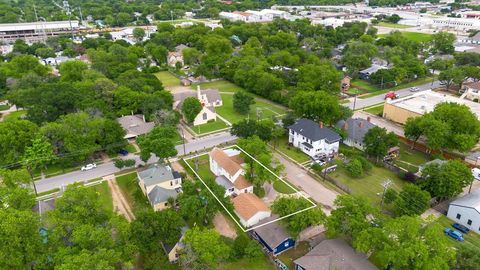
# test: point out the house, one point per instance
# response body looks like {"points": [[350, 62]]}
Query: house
{"points": [[229, 173], [250, 209], [209, 98], [159, 183], [466, 211], [345, 83], [135, 125], [273, 237], [176, 56], [333, 254], [172, 251], [355, 129], [473, 158], [471, 91], [312, 138], [366, 73]]}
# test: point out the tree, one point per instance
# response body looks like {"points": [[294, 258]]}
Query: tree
{"points": [[468, 258], [20, 243], [159, 141], [191, 107], [16, 198], [138, 34], [72, 71], [318, 106], [15, 137], [242, 102], [407, 243], [351, 216], [446, 180], [412, 201], [324, 77], [442, 42], [413, 129], [15, 177], [39, 154], [295, 224], [451, 76], [377, 142], [207, 247], [354, 168]]}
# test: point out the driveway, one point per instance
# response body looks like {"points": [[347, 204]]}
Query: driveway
{"points": [[368, 102], [300, 178]]}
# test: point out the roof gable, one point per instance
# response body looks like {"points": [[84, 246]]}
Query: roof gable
{"points": [[224, 161], [313, 131], [247, 205]]}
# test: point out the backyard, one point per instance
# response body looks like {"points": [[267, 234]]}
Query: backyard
{"points": [[167, 79], [411, 159], [261, 263], [289, 256], [132, 192], [221, 85], [14, 116]]}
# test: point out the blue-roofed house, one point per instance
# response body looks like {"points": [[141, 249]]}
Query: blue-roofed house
{"points": [[273, 237], [159, 183], [313, 139]]}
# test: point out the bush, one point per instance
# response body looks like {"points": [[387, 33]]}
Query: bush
{"points": [[317, 168], [129, 162], [253, 250], [354, 168], [390, 196], [366, 165], [119, 163], [259, 191], [410, 177]]}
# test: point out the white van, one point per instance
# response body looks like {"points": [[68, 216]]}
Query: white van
{"points": [[476, 173]]}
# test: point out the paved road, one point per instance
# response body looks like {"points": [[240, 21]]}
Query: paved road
{"points": [[299, 177], [109, 168], [368, 102]]}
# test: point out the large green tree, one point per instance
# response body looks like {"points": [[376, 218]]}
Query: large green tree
{"points": [[204, 249], [446, 180], [377, 142], [242, 102], [159, 141], [412, 201], [191, 107], [318, 106]]}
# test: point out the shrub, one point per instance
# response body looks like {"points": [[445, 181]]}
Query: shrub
{"points": [[354, 168], [366, 165], [129, 162], [390, 196], [259, 191], [119, 163], [317, 168]]}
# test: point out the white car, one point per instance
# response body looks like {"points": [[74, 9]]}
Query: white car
{"points": [[476, 173], [414, 89], [89, 167]]}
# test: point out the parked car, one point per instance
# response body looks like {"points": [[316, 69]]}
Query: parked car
{"points": [[461, 228], [414, 89], [391, 95], [476, 173], [89, 167], [123, 152], [454, 234]]}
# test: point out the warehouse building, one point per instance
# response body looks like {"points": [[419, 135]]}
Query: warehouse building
{"points": [[35, 31]]}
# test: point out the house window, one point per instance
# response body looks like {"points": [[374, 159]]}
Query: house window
{"points": [[459, 216], [469, 222], [166, 204], [204, 116], [291, 131], [171, 183]]}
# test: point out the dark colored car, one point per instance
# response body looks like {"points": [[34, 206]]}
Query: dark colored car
{"points": [[460, 227], [123, 152]]}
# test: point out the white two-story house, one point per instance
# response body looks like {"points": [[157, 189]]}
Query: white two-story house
{"points": [[313, 139], [159, 183], [229, 174]]}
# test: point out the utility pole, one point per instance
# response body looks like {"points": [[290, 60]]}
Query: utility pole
{"points": [[385, 186], [183, 137], [66, 6], [354, 101]]}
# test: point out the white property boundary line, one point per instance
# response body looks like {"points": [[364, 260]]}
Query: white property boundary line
{"points": [[278, 177]]}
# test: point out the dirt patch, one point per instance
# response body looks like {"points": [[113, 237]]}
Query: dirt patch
{"points": [[177, 167], [224, 227], [120, 204]]}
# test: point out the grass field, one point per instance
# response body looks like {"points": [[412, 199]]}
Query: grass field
{"points": [[105, 195], [393, 25], [293, 152], [419, 37], [364, 86], [167, 79], [14, 116], [370, 184], [377, 110], [411, 159], [4, 107], [281, 187], [471, 239], [209, 127], [132, 192], [221, 85]]}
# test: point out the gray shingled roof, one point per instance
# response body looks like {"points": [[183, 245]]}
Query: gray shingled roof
{"points": [[313, 131], [159, 194], [334, 254], [372, 69], [212, 95], [356, 128], [135, 125], [156, 173], [273, 234]]}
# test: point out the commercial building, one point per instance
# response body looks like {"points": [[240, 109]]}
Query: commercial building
{"points": [[399, 110], [35, 31], [466, 211], [253, 16]]}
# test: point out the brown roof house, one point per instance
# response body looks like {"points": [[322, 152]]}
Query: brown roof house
{"points": [[209, 98], [250, 209], [135, 125], [333, 254], [471, 91], [176, 56]]}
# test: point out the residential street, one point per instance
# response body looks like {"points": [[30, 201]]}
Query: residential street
{"points": [[299, 177], [109, 168], [368, 102]]}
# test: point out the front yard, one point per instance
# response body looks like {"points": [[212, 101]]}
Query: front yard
{"points": [[209, 127], [167, 79], [132, 192], [105, 195]]}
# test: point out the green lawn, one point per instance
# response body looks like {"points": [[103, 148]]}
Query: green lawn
{"points": [[291, 255], [167, 79], [370, 184], [105, 195], [14, 116], [281, 187], [203, 167], [471, 239], [411, 159], [419, 37], [130, 148], [209, 127], [365, 86], [393, 25], [291, 151], [4, 107], [132, 192], [261, 263], [377, 110], [221, 85]]}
